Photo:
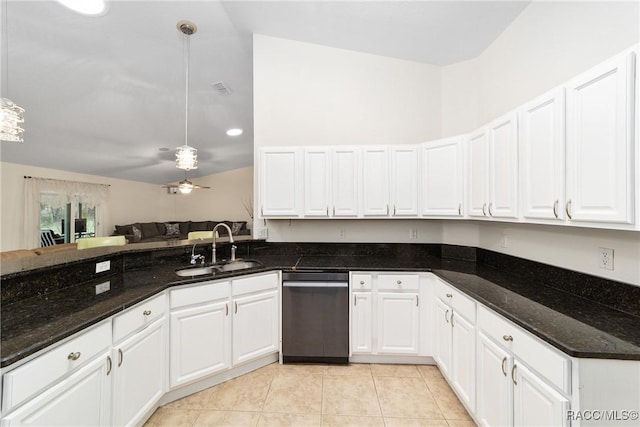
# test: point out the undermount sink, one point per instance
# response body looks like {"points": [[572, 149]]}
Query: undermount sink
{"points": [[196, 271], [238, 265], [217, 268]]}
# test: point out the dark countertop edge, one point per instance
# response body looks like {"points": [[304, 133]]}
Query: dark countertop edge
{"points": [[15, 357], [536, 332]]}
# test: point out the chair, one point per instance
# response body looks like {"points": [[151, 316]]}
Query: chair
{"points": [[46, 238]]}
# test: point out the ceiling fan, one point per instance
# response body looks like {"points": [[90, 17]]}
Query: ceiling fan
{"points": [[184, 187]]}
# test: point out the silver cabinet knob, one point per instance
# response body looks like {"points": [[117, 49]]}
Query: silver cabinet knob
{"points": [[74, 355], [449, 295], [146, 312], [507, 337], [399, 282]]}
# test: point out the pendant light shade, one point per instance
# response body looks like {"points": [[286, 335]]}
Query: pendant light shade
{"points": [[186, 156], [11, 117]]}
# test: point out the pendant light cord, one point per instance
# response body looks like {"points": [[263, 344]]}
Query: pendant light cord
{"points": [[186, 88], [5, 49]]}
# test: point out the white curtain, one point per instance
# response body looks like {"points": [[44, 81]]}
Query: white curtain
{"points": [[58, 193]]}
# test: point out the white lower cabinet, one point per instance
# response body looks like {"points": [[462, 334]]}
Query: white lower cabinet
{"points": [[220, 324], [255, 326], [385, 314], [139, 373], [82, 399], [510, 392], [199, 342], [455, 340], [398, 323]]}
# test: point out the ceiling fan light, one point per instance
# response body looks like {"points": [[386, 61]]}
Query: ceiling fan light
{"points": [[185, 187], [11, 116], [186, 157]]}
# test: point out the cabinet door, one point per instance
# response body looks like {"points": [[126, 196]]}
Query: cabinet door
{"points": [[600, 143], [375, 181], [361, 323], [442, 337], [200, 342], [317, 182], [345, 175], [535, 403], [442, 178], [478, 174], [404, 181], [463, 359], [280, 182], [542, 156], [398, 323], [139, 374], [255, 326], [494, 402], [503, 167], [83, 399]]}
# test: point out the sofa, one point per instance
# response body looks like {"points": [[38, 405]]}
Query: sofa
{"points": [[170, 230]]}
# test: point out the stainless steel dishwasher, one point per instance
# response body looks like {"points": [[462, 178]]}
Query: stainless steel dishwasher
{"points": [[315, 316]]}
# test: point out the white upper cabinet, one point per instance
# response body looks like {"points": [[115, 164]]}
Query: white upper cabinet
{"points": [[442, 173], [404, 180], [375, 181], [542, 130], [600, 143], [478, 167], [317, 181], [503, 167], [280, 182], [493, 169], [345, 179]]}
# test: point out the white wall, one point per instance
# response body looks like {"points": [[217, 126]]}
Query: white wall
{"points": [[547, 44], [296, 89], [305, 94], [130, 201]]}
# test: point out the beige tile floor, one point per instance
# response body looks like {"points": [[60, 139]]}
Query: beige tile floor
{"points": [[319, 395]]}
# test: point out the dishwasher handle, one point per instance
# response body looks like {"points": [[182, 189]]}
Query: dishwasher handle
{"points": [[314, 284]]}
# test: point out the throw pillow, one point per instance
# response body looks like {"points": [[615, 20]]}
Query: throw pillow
{"points": [[172, 229], [137, 233]]}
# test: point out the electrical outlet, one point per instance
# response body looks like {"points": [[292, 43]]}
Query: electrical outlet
{"points": [[342, 233], [504, 242], [264, 233], [103, 266], [413, 233], [103, 287], [605, 258]]}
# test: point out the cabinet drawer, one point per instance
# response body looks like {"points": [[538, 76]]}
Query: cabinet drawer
{"points": [[138, 316], [247, 285], [207, 292], [32, 377], [549, 362], [360, 282], [398, 282], [461, 304]]}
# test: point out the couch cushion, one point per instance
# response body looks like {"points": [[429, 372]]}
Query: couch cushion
{"points": [[162, 229], [123, 229], [149, 230], [172, 229], [200, 226]]}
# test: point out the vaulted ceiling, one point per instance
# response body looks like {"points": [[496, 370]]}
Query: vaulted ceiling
{"points": [[105, 95]]}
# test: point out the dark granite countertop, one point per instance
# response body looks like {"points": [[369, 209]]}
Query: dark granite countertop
{"points": [[577, 326]]}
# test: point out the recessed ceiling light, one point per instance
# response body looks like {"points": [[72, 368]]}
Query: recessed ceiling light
{"points": [[86, 7], [164, 149], [234, 132]]}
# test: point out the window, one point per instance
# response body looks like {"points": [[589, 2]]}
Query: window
{"points": [[63, 210]]}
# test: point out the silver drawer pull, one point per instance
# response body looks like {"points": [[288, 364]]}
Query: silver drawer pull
{"points": [[146, 312], [504, 362], [567, 208], [507, 337], [362, 283], [445, 316], [513, 374], [74, 355], [555, 208], [449, 295], [121, 357], [399, 282], [109, 364]]}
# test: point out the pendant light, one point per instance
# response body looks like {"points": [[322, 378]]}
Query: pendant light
{"points": [[186, 156], [11, 114]]}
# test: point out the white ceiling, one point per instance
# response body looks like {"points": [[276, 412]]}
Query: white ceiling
{"points": [[104, 94]]}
